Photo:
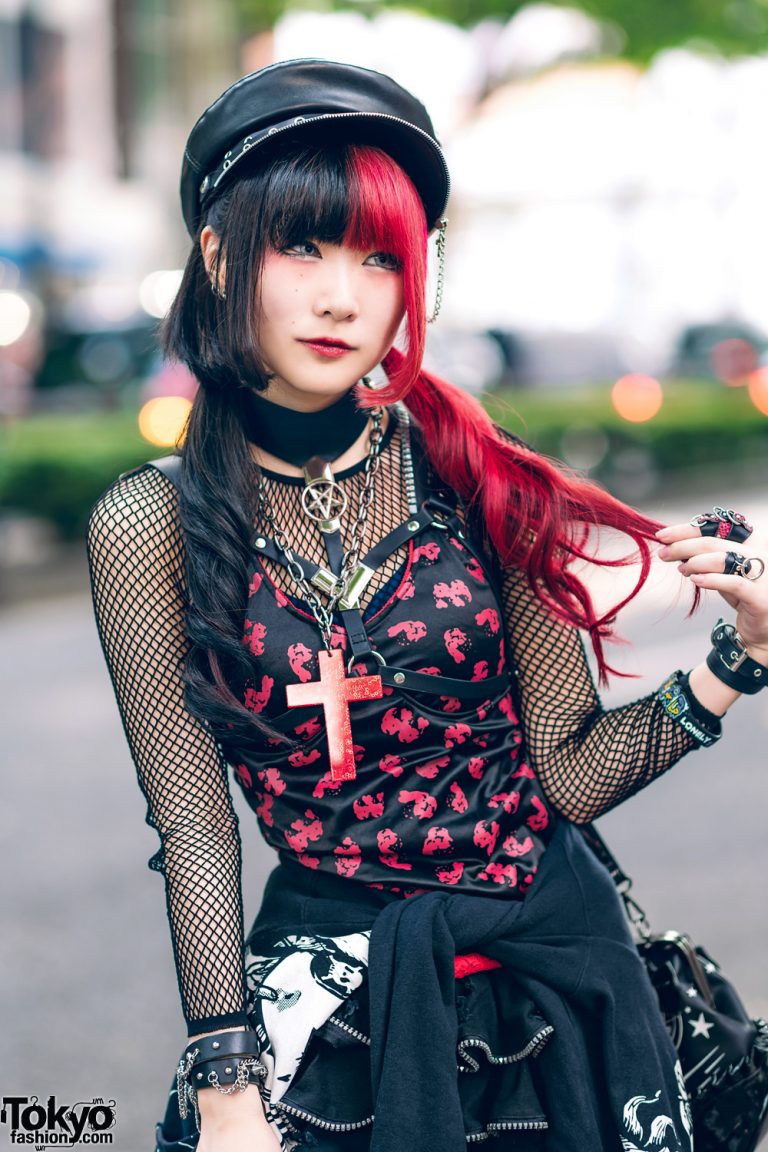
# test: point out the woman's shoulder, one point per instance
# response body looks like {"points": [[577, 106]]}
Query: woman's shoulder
{"points": [[139, 507]]}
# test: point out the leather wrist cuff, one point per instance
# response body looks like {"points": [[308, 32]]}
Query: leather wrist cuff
{"points": [[226, 1071], [223, 1045], [226, 1061], [675, 698], [731, 664]]}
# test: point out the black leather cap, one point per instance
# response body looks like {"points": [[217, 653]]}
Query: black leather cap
{"points": [[317, 100]]}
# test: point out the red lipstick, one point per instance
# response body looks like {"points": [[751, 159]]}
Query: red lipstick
{"points": [[329, 348]]}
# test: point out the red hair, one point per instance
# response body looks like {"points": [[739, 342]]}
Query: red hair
{"points": [[385, 211], [537, 515]]}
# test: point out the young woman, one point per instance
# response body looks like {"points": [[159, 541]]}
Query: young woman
{"points": [[363, 598]]}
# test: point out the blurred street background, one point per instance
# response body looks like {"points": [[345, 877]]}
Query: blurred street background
{"points": [[606, 299]]}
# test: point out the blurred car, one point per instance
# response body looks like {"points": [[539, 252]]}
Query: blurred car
{"points": [[727, 350]]}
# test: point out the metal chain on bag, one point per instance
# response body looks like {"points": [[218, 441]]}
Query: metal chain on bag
{"points": [[324, 613]]}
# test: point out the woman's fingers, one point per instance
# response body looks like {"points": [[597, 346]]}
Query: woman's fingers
{"points": [[681, 542], [719, 582], [675, 532], [729, 563], [732, 524], [694, 546], [749, 598], [737, 568], [702, 564]]}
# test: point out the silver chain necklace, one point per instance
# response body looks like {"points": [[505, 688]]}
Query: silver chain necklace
{"points": [[323, 613]]}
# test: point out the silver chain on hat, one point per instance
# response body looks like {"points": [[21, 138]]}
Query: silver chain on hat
{"points": [[324, 613], [441, 234]]}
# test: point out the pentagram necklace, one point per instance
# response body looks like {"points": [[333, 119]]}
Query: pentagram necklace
{"points": [[324, 502]]}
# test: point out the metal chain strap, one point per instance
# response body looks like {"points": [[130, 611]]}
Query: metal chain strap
{"points": [[242, 1077], [442, 229], [324, 613], [187, 1094], [184, 1090]]}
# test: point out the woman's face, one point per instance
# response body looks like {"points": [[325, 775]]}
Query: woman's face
{"points": [[329, 314]]}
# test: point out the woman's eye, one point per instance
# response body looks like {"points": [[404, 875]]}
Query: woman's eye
{"points": [[303, 248], [385, 260]]}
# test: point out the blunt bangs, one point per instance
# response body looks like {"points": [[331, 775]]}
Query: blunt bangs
{"points": [[344, 194], [385, 210], [306, 197]]}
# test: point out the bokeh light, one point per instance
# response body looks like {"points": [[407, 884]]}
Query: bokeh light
{"points": [[10, 274], [161, 420], [733, 361], [637, 398], [158, 290], [584, 446], [15, 315], [758, 390], [105, 359]]}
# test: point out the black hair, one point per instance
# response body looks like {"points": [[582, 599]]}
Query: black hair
{"points": [[300, 193]]}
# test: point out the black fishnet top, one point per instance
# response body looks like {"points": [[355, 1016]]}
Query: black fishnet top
{"points": [[587, 759]]}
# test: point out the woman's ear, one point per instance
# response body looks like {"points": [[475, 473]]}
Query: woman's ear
{"points": [[209, 246]]}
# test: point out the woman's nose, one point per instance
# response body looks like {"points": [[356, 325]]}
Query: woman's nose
{"points": [[336, 294]]}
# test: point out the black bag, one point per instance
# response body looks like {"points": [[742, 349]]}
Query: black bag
{"points": [[722, 1051]]}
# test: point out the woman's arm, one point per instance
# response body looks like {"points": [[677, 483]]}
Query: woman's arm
{"points": [[587, 758], [136, 562]]}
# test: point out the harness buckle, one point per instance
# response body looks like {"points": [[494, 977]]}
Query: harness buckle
{"points": [[356, 585]]}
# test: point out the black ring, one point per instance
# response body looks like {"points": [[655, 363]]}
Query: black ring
{"points": [[724, 524], [738, 565], [735, 564]]}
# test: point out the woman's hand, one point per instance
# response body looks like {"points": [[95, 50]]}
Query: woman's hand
{"points": [[234, 1123], [703, 559], [239, 1135]]}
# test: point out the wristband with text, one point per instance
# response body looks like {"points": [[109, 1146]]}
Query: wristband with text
{"points": [[680, 705]]}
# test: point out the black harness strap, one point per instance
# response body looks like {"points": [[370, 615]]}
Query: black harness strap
{"points": [[437, 509], [170, 466], [414, 526], [444, 685]]}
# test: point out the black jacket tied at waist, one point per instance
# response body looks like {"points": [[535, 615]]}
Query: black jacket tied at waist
{"points": [[608, 1073]]}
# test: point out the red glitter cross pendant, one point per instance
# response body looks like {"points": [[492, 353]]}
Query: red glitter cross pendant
{"points": [[334, 690]]}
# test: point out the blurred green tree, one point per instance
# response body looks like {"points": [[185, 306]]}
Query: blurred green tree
{"points": [[731, 26]]}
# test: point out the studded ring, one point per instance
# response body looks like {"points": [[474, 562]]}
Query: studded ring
{"points": [[738, 565], [724, 524]]}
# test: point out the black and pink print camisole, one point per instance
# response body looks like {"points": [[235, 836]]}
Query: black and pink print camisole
{"points": [[443, 793]]}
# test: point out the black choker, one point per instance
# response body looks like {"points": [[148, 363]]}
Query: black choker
{"points": [[296, 436]]}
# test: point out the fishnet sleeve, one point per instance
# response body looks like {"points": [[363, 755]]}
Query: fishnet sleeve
{"points": [[136, 563], [587, 758]]}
